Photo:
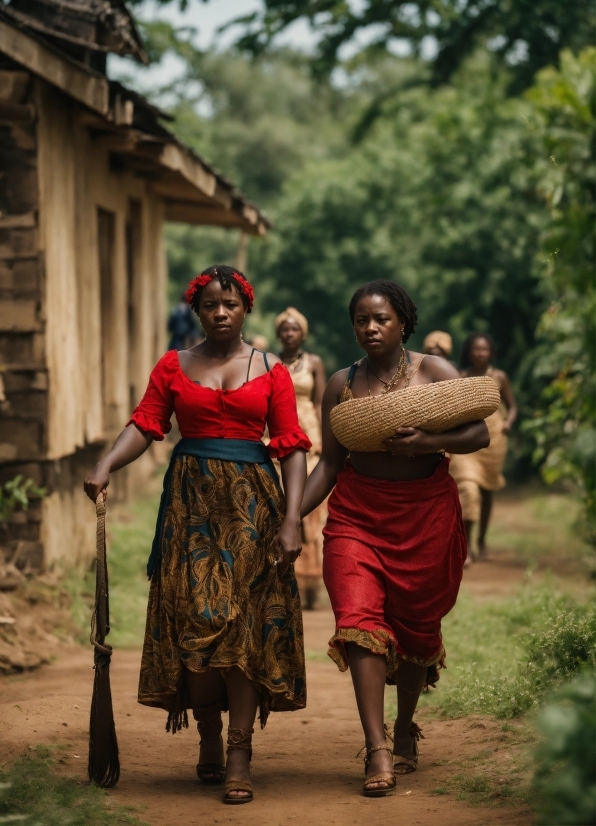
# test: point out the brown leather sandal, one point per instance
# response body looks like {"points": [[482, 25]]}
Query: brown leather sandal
{"points": [[209, 725], [388, 778], [407, 765], [239, 739]]}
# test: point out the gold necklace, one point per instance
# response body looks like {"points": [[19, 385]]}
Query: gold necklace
{"points": [[394, 380], [293, 364]]}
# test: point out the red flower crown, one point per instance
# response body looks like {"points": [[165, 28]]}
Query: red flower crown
{"points": [[241, 282]]}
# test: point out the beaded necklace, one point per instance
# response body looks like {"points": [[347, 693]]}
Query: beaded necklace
{"points": [[394, 380]]}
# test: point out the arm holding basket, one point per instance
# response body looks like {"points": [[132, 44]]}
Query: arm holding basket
{"points": [[467, 438]]}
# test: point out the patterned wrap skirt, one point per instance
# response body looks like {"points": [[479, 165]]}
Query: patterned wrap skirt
{"points": [[216, 599]]}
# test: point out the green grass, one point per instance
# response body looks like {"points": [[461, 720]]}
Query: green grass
{"points": [[130, 534], [534, 526], [504, 654], [130, 530], [33, 793]]}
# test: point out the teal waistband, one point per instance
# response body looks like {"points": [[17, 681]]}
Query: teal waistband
{"points": [[231, 450], [228, 450]]}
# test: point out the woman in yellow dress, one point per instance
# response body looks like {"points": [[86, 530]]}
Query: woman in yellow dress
{"points": [[308, 375], [479, 474]]}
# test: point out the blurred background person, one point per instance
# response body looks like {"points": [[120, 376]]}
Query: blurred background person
{"points": [[438, 343], [182, 326], [308, 374], [260, 342], [479, 474]]}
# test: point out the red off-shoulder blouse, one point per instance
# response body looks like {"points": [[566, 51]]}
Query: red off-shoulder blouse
{"points": [[204, 413]]}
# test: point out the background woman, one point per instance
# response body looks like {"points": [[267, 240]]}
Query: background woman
{"points": [[438, 343], [479, 474], [394, 540], [308, 375], [224, 628]]}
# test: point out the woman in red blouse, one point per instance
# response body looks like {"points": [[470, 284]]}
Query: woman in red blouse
{"points": [[224, 628]]}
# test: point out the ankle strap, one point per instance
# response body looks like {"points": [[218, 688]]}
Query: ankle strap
{"points": [[414, 731], [377, 748], [208, 719], [366, 753], [239, 739]]}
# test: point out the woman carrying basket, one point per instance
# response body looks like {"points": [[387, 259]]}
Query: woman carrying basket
{"points": [[395, 543], [224, 626]]}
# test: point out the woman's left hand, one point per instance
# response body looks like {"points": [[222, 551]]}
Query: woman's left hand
{"points": [[409, 441], [287, 543]]}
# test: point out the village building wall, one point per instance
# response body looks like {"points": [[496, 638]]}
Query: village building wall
{"points": [[82, 288], [88, 175]]}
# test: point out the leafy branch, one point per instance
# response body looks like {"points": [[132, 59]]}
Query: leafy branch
{"points": [[17, 493]]}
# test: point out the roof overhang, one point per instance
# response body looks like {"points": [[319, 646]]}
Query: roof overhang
{"points": [[192, 191]]}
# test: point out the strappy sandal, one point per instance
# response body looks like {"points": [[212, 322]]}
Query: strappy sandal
{"points": [[383, 777], [239, 739], [209, 725], [407, 765]]}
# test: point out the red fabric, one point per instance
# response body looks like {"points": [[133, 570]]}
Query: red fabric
{"points": [[393, 557], [203, 413]]}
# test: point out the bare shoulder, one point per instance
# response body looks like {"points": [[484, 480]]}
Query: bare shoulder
{"points": [[335, 385], [272, 359], [499, 375], [339, 379], [435, 368], [315, 361]]}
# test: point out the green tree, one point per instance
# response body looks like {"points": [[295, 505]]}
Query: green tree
{"points": [[564, 119], [440, 197], [526, 34]]}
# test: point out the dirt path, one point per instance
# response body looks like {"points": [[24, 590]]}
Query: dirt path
{"points": [[304, 767]]}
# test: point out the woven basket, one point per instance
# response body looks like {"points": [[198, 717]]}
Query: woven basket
{"points": [[363, 424]]}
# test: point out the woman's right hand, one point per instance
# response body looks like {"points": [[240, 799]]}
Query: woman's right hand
{"points": [[97, 481]]}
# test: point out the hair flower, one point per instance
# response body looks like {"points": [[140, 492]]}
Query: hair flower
{"points": [[239, 280]]}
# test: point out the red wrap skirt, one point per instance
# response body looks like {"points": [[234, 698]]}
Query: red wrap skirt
{"points": [[393, 559]]}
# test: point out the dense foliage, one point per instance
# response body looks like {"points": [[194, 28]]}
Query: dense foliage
{"points": [[480, 202], [564, 118], [565, 781], [524, 34]]}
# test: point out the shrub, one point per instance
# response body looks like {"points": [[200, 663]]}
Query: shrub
{"points": [[565, 778], [562, 647], [562, 644]]}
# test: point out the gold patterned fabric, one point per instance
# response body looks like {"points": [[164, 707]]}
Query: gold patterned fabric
{"points": [[380, 642], [216, 600], [309, 565]]}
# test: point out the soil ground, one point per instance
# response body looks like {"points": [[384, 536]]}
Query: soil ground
{"points": [[304, 767]]}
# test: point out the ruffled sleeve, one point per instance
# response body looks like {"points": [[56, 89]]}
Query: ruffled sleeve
{"points": [[282, 418], [153, 413]]}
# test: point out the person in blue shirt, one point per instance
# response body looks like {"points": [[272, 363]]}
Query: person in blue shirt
{"points": [[181, 325]]}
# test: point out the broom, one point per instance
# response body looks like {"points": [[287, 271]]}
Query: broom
{"points": [[104, 764]]}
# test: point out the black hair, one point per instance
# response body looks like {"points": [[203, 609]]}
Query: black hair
{"points": [[396, 296], [464, 359], [224, 274]]}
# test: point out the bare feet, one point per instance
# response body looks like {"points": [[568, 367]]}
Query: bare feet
{"points": [[238, 768], [482, 548]]}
